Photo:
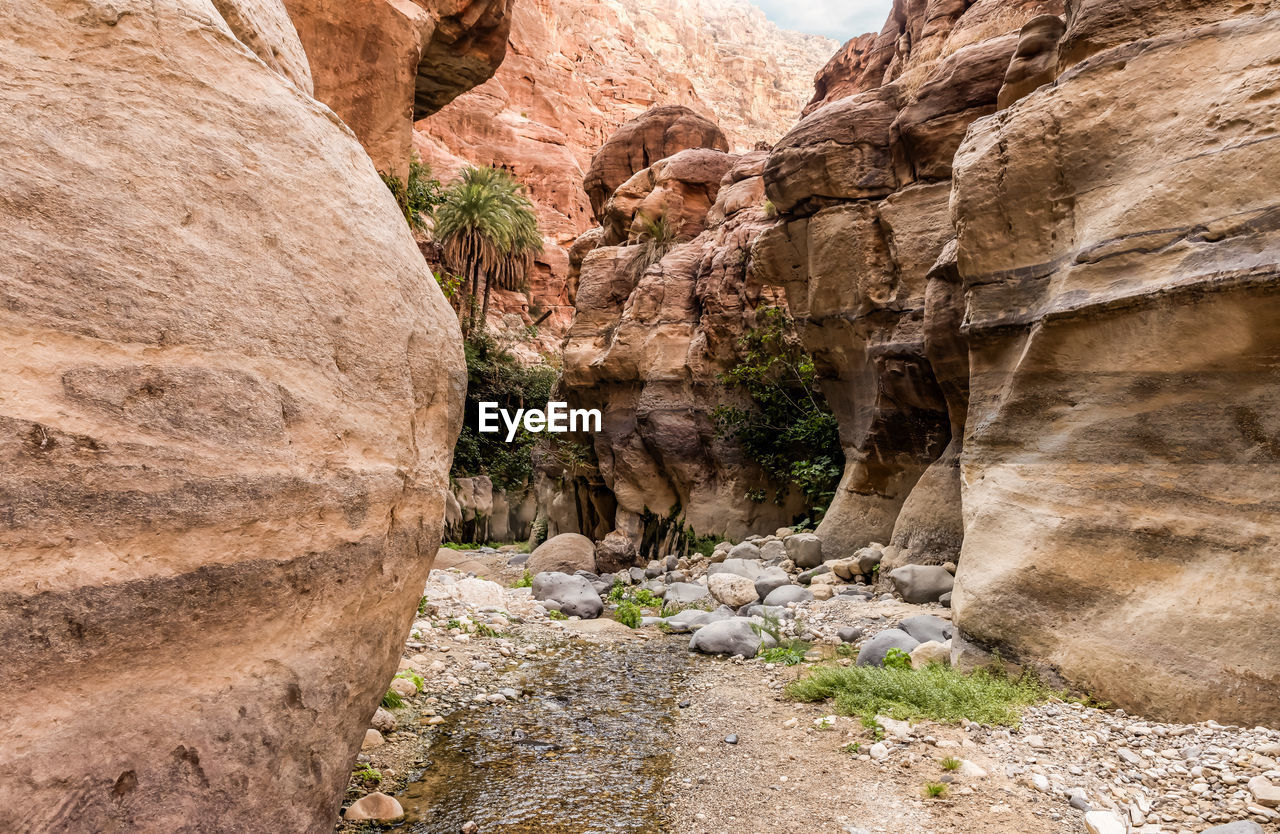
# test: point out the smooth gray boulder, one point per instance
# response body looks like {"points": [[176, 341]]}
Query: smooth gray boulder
{"points": [[788, 594], [655, 586], [685, 594], [729, 637], [945, 600], [573, 594], [773, 550], [807, 576], [874, 650], [693, 619], [745, 550], [921, 583], [750, 568], [770, 579], [867, 558], [805, 549], [926, 627], [637, 575], [849, 634]]}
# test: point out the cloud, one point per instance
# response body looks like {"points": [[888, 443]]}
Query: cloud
{"points": [[839, 19]]}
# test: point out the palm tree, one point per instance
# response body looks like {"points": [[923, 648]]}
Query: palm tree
{"points": [[486, 226]]}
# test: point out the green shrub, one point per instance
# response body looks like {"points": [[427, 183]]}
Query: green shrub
{"points": [[646, 599], [525, 581], [494, 374], [557, 615], [368, 773], [789, 430], [935, 692], [897, 659], [392, 700], [788, 652], [418, 197], [628, 614], [410, 675]]}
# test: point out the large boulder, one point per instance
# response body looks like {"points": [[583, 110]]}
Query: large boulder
{"points": [[231, 385], [921, 583], [615, 552], [573, 595], [874, 651], [684, 594], [734, 636], [732, 590], [654, 135], [566, 553], [805, 549], [926, 628], [770, 579], [787, 594]]}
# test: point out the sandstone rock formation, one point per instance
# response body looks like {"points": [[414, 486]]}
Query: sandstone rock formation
{"points": [[381, 64], [1121, 264], [577, 71], [1007, 235], [648, 343], [230, 394]]}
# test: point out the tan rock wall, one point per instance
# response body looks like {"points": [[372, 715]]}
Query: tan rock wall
{"points": [[229, 399], [1118, 246]]}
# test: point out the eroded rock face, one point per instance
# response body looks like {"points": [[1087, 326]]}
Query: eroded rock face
{"points": [[1120, 467], [381, 64], [863, 184], [230, 395], [647, 346]]}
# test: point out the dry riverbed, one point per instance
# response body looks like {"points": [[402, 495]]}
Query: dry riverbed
{"points": [[568, 726]]}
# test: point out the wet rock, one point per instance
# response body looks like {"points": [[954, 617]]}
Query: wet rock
{"points": [[874, 650], [573, 594], [788, 594], [926, 627], [921, 583], [729, 637], [772, 578], [375, 807], [805, 549], [732, 590], [565, 553]]}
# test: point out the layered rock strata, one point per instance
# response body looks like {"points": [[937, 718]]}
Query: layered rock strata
{"points": [[230, 395], [651, 335], [1007, 233]]}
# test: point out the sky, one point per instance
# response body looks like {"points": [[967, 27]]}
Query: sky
{"points": [[839, 19]]}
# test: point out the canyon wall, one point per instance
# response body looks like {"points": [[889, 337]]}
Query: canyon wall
{"points": [[577, 71], [232, 389], [653, 331], [1034, 252]]}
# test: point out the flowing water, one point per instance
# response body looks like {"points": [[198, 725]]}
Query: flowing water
{"points": [[587, 754]]}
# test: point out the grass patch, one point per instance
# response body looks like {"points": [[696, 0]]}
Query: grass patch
{"points": [[414, 677], [486, 630], [392, 700], [853, 748], [525, 581], [368, 773], [935, 790], [951, 763], [557, 615], [628, 614], [788, 652], [936, 692]]}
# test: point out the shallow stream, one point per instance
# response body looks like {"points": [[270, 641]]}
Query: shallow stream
{"points": [[586, 754]]}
